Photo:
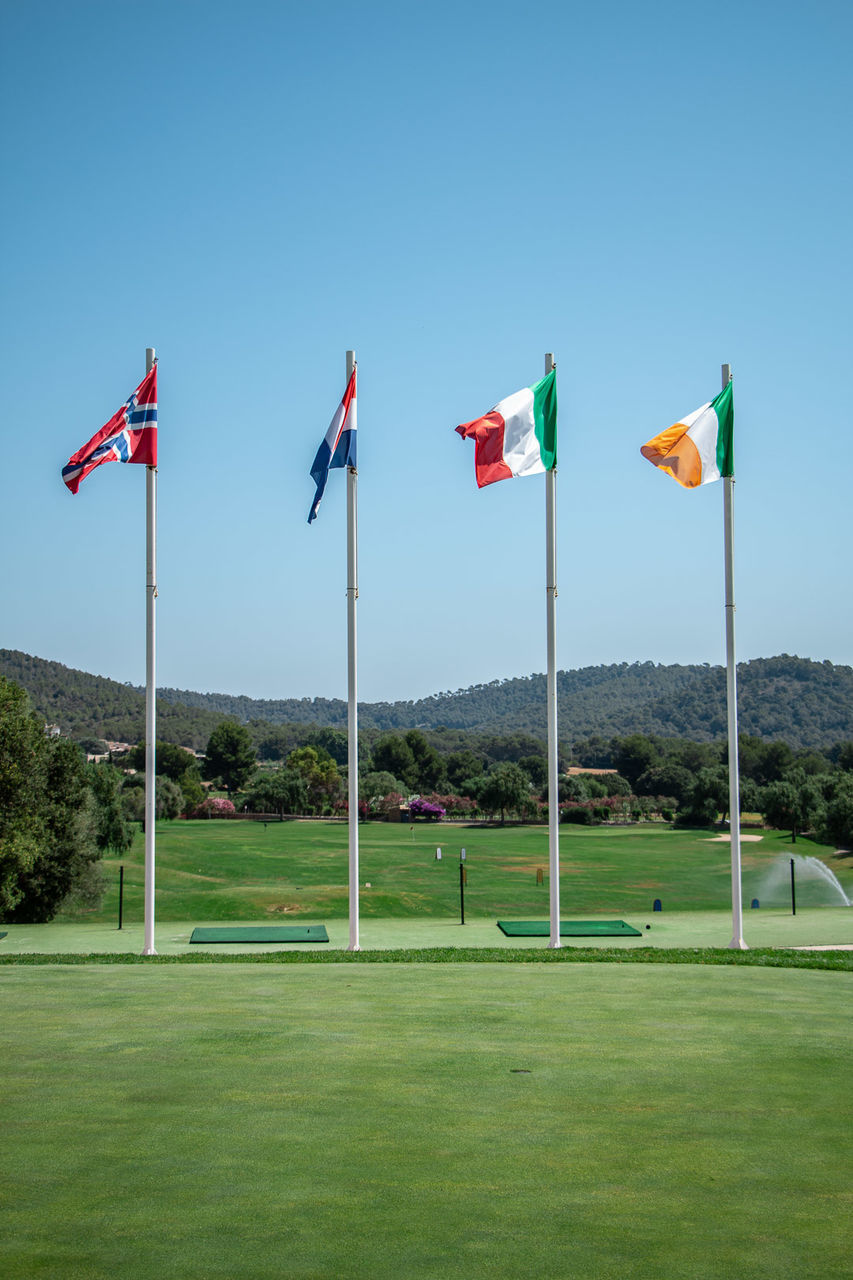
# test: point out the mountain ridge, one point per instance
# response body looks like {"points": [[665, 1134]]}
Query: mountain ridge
{"points": [[802, 701]]}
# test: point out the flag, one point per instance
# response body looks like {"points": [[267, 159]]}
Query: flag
{"points": [[338, 447], [519, 436], [700, 448], [129, 436]]}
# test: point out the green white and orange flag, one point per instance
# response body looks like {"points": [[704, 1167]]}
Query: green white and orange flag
{"points": [[699, 448]]}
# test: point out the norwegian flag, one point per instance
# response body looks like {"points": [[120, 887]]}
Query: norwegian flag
{"points": [[129, 436]]}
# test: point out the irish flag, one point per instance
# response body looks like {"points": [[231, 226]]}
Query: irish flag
{"points": [[519, 436], [699, 448]]}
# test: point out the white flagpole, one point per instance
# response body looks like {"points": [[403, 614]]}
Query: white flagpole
{"points": [[150, 687], [551, 629], [737, 941], [352, 683]]}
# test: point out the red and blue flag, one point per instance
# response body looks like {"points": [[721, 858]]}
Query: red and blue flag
{"points": [[338, 447], [129, 436]]}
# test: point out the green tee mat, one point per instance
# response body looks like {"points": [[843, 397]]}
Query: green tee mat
{"points": [[568, 929], [4, 934], [275, 933]]}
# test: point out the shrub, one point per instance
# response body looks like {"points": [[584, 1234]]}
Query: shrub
{"points": [[214, 807], [578, 814], [421, 808]]}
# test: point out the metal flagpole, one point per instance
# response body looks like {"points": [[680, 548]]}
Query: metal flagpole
{"points": [[551, 628], [737, 941], [150, 687], [352, 695]]}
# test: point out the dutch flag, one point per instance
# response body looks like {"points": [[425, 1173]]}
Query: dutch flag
{"points": [[338, 447]]}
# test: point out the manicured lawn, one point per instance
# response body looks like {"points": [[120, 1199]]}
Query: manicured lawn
{"points": [[385, 1120], [221, 871]]}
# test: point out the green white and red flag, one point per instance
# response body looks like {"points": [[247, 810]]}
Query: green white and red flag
{"points": [[519, 436]]}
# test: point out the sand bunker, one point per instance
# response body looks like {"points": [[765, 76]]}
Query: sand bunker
{"points": [[727, 838]]}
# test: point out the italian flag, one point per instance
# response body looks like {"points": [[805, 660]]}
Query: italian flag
{"points": [[519, 436], [698, 449]]}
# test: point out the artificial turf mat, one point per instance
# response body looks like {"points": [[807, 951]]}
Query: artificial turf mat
{"points": [[568, 929], [262, 933], [4, 933]]}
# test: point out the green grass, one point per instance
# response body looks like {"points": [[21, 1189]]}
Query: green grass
{"points": [[425, 1121], [224, 871]]}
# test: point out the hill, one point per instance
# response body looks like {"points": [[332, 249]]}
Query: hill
{"points": [[805, 703]]}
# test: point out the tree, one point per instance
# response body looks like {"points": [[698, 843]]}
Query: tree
{"points": [[112, 831], [795, 801], [634, 755], [68, 847], [169, 799], [335, 743], [838, 823], [374, 786], [230, 754], [573, 786], [506, 787], [666, 779], [462, 765], [429, 766], [393, 755], [22, 781], [707, 798], [170, 761], [536, 768], [174, 762], [319, 773], [282, 791], [48, 844]]}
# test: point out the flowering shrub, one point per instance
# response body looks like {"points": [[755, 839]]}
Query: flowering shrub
{"points": [[421, 808], [453, 805], [389, 803], [214, 807]]}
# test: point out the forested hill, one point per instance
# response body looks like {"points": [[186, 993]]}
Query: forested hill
{"points": [[805, 703]]}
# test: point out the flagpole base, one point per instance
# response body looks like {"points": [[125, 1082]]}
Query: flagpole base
{"points": [[354, 947], [554, 946], [149, 951], [738, 944]]}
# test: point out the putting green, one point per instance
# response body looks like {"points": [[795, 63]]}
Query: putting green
{"points": [[372, 1122], [811, 926], [264, 933], [568, 929]]}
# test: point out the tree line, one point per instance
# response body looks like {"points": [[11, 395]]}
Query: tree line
{"points": [[804, 703], [676, 779]]}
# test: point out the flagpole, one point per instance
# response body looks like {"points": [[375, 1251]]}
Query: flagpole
{"points": [[150, 687], [737, 942], [352, 689], [551, 631]]}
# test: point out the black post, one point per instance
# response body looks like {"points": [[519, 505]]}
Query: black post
{"points": [[793, 891], [120, 894]]}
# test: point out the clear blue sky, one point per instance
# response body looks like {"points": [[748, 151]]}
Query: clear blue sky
{"points": [[451, 189]]}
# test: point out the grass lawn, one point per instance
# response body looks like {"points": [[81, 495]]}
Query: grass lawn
{"points": [[221, 871], [381, 1120]]}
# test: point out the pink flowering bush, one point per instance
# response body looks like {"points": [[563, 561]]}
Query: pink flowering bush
{"points": [[214, 807], [455, 806]]}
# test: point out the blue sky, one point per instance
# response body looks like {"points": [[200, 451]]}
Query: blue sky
{"points": [[452, 190]]}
